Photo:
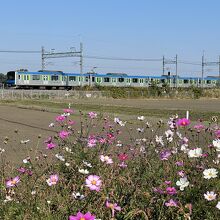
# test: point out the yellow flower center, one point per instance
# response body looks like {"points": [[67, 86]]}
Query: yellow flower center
{"points": [[106, 158], [93, 182], [13, 182], [82, 219], [111, 206]]}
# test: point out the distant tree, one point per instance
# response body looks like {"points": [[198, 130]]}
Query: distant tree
{"points": [[2, 78]]}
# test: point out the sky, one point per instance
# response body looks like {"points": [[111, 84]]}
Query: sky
{"points": [[137, 29]]}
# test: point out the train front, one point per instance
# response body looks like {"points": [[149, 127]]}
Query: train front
{"points": [[10, 79]]}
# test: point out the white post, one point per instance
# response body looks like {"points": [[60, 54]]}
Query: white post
{"points": [[187, 114]]}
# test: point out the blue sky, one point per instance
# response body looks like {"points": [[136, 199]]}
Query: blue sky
{"points": [[111, 28]]}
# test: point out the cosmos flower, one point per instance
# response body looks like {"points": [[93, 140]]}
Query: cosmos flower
{"points": [[197, 152], [93, 182], [199, 127], [60, 118], [218, 205], [210, 173], [210, 196], [171, 190], [51, 145], [81, 216], [182, 183], [92, 115], [59, 157], [171, 203], [71, 122], [182, 122], [52, 180], [114, 207], [123, 157], [106, 159], [78, 196], [64, 134], [12, 182], [92, 141], [217, 133], [159, 140], [164, 155], [216, 144], [141, 118], [67, 110], [83, 171]]}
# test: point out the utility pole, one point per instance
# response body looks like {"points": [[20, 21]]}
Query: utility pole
{"points": [[176, 73], [81, 58], [203, 64], [42, 58], [163, 64]]}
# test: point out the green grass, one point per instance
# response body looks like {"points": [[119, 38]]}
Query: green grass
{"points": [[54, 106]]}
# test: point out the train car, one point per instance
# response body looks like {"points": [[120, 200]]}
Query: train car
{"points": [[57, 80]]}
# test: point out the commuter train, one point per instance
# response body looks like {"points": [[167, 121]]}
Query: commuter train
{"points": [[58, 80]]}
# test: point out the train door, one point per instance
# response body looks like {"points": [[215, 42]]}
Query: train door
{"points": [[45, 79], [26, 79]]}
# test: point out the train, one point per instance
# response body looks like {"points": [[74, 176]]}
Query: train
{"points": [[46, 79]]}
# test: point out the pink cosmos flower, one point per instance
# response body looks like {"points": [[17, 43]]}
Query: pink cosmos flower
{"points": [[123, 164], [21, 170], [93, 182], [168, 182], [181, 173], [92, 141], [217, 133], [164, 155], [92, 115], [71, 122], [68, 110], [199, 127], [113, 207], [171, 203], [171, 190], [64, 134], [60, 118], [53, 180], [123, 157], [51, 145], [48, 140], [179, 163], [81, 216], [106, 159], [182, 122], [12, 182]]}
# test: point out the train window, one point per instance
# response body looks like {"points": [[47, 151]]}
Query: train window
{"points": [[28, 77], [114, 80], [208, 81], [106, 79], [128, 80], [135, 80], [162, 80], [98, 79], [185, 81], [93, 79], [121, 80], [45, 78], [72, 78], [141, 80], [63, 78], [87, 78], [146, 80], [19, 76], [35, 77], [54, 78]]}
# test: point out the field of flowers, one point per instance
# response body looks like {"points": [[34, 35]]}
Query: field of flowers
{"points": [[113, 169]]}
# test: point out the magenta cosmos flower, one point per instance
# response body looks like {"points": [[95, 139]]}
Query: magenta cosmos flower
{"points": [[81, 216], [60, 118], [64, 134], [171, 203], [92, 115], [53, 180], [51, 145], [68, 110], [12, 182], [93, 182], [113, 207], [183, 122]]}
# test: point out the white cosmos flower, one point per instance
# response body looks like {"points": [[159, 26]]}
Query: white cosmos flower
{"points": [[210, 173], [197, 152], [59, 157], [51, 125], [159, 140], [83, 171], [182, 183], [67, 164], [141, 118], [210, 196], [218, 205], [78, 196], [87, 164], [216, 144]]}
